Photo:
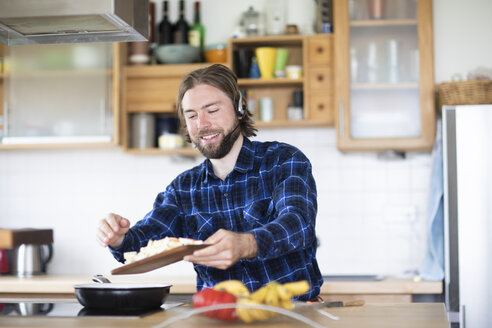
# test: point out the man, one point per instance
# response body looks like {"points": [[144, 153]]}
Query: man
{"points": [[254, 202]]}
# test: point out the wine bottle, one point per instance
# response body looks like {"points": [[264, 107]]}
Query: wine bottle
{"points": [[165, 27], [181, 28], [196, 35]]}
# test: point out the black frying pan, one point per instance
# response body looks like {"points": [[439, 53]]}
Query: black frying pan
{"points": [[122, 297]]}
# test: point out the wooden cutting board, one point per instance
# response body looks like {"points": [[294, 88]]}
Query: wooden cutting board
{"points": [[10, 238], [158, 260]]}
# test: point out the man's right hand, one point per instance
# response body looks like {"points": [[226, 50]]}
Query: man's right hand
{"points": [[112, 230]]}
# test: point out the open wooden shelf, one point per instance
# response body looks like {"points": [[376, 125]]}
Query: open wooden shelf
{"points": [[153, 88], [383, 22], [143, 71], [270, 82], [314, 53], [271, 40]]}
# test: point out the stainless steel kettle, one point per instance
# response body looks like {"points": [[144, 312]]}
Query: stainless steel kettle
{"points": [[30, 259], [30, 309]]}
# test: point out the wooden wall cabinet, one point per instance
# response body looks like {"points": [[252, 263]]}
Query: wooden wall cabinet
{"points": [[60, 96], [315, 54], [153, 88], [384, 81]]}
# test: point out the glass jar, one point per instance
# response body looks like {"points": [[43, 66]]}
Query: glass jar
{"points": [[251, 19]]}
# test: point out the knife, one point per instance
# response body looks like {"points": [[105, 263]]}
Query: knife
{"points": [[343, 304], [302, 306]]}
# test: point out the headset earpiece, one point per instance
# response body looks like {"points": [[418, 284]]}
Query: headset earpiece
{"points": [[240, 108]]}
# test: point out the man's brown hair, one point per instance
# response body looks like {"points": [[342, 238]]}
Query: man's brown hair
{"points": [[222, 78]]}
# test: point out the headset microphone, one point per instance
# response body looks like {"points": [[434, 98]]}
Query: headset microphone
{"points": [[229, 135]]}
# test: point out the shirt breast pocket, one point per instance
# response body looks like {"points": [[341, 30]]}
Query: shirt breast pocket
{"points": [[259, 212]]}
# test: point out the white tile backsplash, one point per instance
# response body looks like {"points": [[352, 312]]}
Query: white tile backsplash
{"points": [[359, 194], [398, 179]]}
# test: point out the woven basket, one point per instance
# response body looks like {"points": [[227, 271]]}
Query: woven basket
{"points": [[465, 92]]}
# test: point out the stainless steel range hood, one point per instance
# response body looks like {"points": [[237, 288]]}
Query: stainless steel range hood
{"points": [[73, 21]]}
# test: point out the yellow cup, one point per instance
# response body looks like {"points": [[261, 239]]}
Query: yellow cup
{"points": [[266, 60]]}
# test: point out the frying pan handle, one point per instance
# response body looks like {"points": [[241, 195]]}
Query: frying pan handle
{"points": [[100, 279]]}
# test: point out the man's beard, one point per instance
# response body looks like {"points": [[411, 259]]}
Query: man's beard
{"points": [[216, 152]]}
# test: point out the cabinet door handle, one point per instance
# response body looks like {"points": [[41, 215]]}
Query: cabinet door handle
{"points": [[321, 107], [320, 78], [340, 118], [319, 50], [463, 316]]}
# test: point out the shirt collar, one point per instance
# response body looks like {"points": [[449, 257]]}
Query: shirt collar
{"points": [[244, 162]]}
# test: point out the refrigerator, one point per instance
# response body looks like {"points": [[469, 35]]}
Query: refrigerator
{"points": [[467, 164]]}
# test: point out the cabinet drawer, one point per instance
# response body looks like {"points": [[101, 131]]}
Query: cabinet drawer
{"points": [[320, 50], [152, 94], [321, 108], [321, 78]]}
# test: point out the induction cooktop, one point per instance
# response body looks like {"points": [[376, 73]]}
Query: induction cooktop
{"points": [[68, 308]]}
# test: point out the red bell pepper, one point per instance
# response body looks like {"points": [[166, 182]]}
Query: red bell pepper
{"points": [[208, 297]]}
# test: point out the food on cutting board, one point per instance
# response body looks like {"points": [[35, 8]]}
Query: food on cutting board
{"points": [[158, 246], [234, 291]]}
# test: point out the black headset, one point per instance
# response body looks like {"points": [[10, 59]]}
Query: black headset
{"points": [[240, 107]]}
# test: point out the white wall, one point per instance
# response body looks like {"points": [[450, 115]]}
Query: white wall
{"points": [[462, 37], [362, 221], [371, 211]]}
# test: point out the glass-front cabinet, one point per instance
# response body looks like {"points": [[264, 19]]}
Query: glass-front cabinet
{"points": [[384, 75], [60, 94]]}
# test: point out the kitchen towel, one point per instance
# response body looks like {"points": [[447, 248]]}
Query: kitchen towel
{"points": [[433, 264]]}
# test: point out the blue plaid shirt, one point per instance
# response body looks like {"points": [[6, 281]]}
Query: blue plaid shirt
{"points": [[270, 193]]}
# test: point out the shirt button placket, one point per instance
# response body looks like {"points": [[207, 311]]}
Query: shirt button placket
{"points": [[227, 195], [225, 189]]}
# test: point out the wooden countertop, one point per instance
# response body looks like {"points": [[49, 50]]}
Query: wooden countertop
{"points": [[63, 284], [415, 315]]}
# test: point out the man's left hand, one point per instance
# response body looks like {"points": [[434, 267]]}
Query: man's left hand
{"points": [[226, 249]]}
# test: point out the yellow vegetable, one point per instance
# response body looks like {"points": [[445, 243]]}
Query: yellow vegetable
{"points": [[235, 287]]}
